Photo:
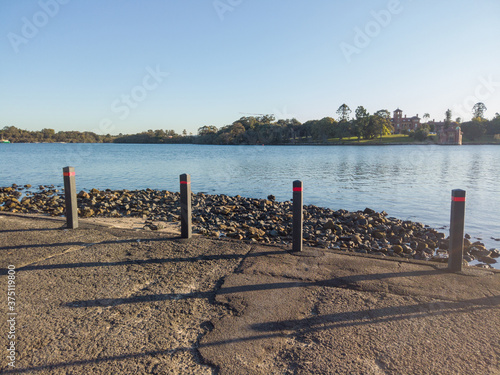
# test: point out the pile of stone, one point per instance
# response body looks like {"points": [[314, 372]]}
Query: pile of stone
{"points": [[256, 220]]}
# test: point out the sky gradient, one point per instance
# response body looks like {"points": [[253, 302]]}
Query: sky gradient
{"points": [[129, 66]]}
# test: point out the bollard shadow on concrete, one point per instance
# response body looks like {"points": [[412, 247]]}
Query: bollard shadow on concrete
{"points": [[340, 282], [281, 329], [292, 328]]}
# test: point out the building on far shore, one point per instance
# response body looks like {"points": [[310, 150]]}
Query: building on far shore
{"points": [[451, 135], [401, 123]]}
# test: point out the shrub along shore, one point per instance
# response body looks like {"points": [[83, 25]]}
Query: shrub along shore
{"points": [[255, 220]]}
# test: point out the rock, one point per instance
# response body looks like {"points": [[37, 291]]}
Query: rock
{"points": [[486, 259], [255, 232], [224, 210], [329, 225], [469, 258], [421, 246], [398, 249], [87, 212], [495, 253], [479, 251], [356, 238], [439, 259], [422, 255], [84, 195], [482, 265], [274, 233], [444, 244], [261, 220], [155, 226]]}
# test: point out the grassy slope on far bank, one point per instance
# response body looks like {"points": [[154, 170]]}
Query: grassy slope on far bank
{"points": [[405, 139], [386, 139]]}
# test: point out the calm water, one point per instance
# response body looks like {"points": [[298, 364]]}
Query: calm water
{"points": [[408, 182]]}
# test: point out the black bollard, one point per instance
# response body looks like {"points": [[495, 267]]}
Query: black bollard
{"points": [[70, 197], [457, 220], [185, 205], [297, 216]]}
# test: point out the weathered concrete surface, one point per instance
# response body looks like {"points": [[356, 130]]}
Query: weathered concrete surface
{"points": [[109, 301], [324, 313], [100, 300]]}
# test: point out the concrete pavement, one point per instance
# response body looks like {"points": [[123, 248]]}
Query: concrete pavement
{"points": [[106, 300]]}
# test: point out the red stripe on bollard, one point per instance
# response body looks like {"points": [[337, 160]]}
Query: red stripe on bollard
{"points": [[185, 182], [68, 174], [298, 189], [457, 223]]}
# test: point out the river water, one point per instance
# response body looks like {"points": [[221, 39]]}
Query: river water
{"points": [[408, 182]]}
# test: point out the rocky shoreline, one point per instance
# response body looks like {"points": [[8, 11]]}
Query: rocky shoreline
{"points": [[255, 220]]}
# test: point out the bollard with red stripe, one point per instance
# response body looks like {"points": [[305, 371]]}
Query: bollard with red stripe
{"points": [[185, 181], [70, 197], [457, 221], [297, 229]]}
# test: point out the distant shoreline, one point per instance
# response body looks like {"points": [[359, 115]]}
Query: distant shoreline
{"points": [[276, 144]]}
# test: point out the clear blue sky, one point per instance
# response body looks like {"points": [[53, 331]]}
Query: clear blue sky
{"points": [[129, 66]]}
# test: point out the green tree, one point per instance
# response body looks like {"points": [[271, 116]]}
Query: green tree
{"points": [[48, 134], [478, 111], [493, 126], [474, 129], [207, 134], [447, 121], [323, 129], [384, 113], [206, 130], [343, 112], [422, 132], [377, 126], [360, 123]]}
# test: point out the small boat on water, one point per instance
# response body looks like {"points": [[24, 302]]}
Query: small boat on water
{"points": [[4, 141]]}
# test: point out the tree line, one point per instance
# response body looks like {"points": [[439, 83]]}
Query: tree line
{"points": [[479, 126], [16, 135], [265, 129]]}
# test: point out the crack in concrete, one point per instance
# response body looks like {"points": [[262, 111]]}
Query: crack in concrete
{"points": [[68, 250], [209, 326]]}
